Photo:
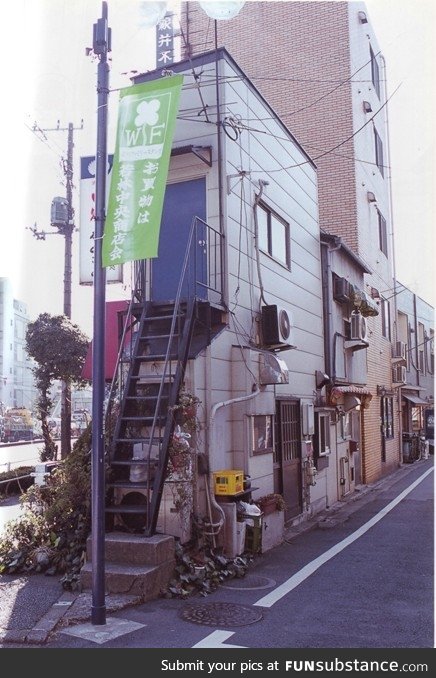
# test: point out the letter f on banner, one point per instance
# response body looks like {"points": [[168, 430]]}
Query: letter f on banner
{"points": [[146, 122]]}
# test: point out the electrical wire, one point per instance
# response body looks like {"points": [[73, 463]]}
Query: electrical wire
{"points": [[321, 155]]}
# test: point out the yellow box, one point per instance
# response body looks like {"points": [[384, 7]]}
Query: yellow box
{"points": [[228, 482]]}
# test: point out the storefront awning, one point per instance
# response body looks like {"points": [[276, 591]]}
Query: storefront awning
{"points": [[338, 393], [415, 399]]}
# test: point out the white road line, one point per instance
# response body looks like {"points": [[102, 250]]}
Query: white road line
{"points": [[310, 568], [216, 639]]}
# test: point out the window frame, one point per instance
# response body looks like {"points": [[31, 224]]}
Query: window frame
{"points": [[262, 423], [270, 251], [385, 317], [322, 425], [387, 417], [382, 233], [375, 72], [379, 155]]}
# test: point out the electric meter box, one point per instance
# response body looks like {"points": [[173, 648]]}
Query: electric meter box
{"points": [[228, 482]]}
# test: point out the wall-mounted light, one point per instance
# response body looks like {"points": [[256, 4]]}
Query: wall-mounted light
{"points": [[321, 379], [367, 107], [362, 17], [371, 197]]}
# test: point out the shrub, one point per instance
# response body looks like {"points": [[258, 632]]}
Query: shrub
{"points": [[50, 535]]}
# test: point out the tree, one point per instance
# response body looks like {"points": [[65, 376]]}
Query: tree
{"points": [[59, 349]]}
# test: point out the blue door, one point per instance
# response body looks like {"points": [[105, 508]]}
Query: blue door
{"points": [[183, 202]]}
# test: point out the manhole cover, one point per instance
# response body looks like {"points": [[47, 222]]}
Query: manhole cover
{"points": [[220, 614], [254, 582]]}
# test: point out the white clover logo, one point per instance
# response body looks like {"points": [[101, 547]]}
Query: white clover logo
{"points": [[92, 168], [147, 113]]}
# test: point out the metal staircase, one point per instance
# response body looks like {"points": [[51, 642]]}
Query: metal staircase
{"points": [[154, 350], [144, 424]]}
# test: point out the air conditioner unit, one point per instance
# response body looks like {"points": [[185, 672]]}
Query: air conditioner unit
{"points": [[276, 323], [399, 351], [399, 374], [358, 327], [342, 290]]}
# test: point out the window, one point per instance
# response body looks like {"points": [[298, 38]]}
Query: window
{"points": [[262, 433], [382, 234], [375, 72], [345, 426], [385, 318], [322, 434], [273, 234], [421, 346], [378, 152], [387, 417]]}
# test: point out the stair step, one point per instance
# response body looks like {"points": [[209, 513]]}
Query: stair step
{"points": [[152, 357], [128, 484], [159, 317], [137, 509], [149, 398], [134, 549], [130, 462], [155, 441], [149, 337], [138, 580], [151, 378], [149, 417]]}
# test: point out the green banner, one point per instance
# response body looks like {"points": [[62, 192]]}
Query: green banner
{"points": [[146, 122]]}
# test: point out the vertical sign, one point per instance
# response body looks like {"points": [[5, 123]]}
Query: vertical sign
{"points": [[165, 41], [146, 122], [87, 224]]}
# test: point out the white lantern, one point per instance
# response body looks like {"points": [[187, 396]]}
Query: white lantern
{"points": [[151, 13], [222, 10]]}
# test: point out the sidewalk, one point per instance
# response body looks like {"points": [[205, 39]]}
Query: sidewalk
{"points": [[33, 606]]}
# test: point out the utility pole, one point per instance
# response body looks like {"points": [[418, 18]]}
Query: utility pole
{"points": [[101, 46], [65, 227]]}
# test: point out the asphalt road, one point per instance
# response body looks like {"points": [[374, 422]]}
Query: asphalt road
{"points": [[362, 579]]}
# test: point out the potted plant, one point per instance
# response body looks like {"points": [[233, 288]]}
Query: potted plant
{"points": [[270, 503]]}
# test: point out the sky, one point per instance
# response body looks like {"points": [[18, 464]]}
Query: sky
{"points": [[47, 78]]}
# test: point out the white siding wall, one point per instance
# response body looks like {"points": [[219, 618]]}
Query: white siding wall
{"points": [[227, 369]]}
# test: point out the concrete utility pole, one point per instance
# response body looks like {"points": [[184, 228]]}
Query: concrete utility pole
{"points": [[65, 227], [101, 46]]}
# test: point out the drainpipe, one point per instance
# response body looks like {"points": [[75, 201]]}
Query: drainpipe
{"points": [[415, 325], [211, 433], [220, 168], [257, 199], [327, 297], [394, 275]]}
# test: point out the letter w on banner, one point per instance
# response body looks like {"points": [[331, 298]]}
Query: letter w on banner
{"points": [[146, 122]]}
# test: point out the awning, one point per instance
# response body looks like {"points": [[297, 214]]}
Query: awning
{"points": [[415, 399], [338, 393]]}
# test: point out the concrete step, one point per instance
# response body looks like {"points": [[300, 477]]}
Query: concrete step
{"points": [[143, 581], [134, 549]]}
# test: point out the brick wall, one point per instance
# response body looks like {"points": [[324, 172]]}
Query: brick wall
{"points": [[298, 56]]}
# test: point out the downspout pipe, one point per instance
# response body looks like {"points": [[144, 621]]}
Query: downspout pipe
{"points": [[214, 410], [257, 199], [394, 274]]}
